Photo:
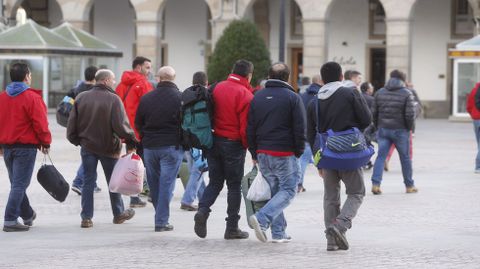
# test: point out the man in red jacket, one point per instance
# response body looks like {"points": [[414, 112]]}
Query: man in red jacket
{"points": [[133, 85], [227, 157], [24, 129], [475, 115]]}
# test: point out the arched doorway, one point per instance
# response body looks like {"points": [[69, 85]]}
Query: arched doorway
{"points": [[185, 38], [44, 12], [356, 34], [432, 36], [116, 25], [266, 15]]}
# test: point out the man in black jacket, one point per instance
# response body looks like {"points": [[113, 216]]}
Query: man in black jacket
{"points": [[276, 138], [158, 123], [339, 108], [394, 118]]}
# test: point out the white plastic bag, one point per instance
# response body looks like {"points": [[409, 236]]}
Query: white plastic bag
{"points": [[259, 191], [127, 176]]}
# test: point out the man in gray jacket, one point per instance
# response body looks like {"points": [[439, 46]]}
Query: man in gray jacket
{"points": [[394, 116], [97, 123]]}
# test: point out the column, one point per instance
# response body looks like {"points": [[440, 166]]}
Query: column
{"points": [[147, 44], [398, 45], [314, 55]]}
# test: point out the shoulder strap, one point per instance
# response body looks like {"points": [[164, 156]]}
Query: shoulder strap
{"points": [[126, 93], [316, 114]]}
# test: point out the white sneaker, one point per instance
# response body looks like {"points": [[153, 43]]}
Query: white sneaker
{"points": [[287, 239], [258, 230]]}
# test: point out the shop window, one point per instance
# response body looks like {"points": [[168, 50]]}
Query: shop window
{"points": [[376, 20], [462, 19], [296, 27]]}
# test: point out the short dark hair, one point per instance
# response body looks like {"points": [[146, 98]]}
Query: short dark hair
{"points": [[349, 74], [305, 80], [364, 87], [331, 72], [242, 68], [279, 71], [199, 78], [19, 71], [90, 73], [398, 74], [139, 60]]}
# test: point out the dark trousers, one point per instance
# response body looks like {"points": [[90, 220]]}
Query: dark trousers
{"points": [[225, 163]]}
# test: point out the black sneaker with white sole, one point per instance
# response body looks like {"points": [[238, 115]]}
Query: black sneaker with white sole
{"points": [[339, 237]]}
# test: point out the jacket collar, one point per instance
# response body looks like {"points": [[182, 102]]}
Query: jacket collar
{"points": [[240, 80], [276, 83], [166, 84], [104, 87]]}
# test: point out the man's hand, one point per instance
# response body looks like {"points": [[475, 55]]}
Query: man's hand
{"points": [[131, 150], [321, 173], [45, 149]]}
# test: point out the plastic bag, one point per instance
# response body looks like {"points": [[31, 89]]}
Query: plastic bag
{"points": [[259, 190], [127, 176]]}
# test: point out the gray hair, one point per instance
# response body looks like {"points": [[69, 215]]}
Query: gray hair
{"points": [[103, 74], [166, 73]]}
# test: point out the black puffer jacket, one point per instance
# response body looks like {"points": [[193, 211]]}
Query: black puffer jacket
{"points": [[394, 106]]}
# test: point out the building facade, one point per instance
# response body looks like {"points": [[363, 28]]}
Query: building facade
{"points": [[371, 36]]}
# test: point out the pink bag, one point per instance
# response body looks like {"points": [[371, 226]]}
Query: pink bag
{"points": [[127, 176]]}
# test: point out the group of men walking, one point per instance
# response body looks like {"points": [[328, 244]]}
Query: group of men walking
{"points": [[273, 125]]}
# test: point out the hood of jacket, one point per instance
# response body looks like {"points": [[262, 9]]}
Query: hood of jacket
{"points": [[394, 84], [16, 88], [329, 89], [276, 83], [349, 84], [313, 88], [131, 77]]}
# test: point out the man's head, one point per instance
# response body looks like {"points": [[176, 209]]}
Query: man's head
{"points": [[200, 78], [90, 73], [398, 74], [317, 79], [305, 81], [331, 72], [279, 71], [105, 77], [19, 72], [142, 65], [243, 68], [166, 73], [367, 88], [354, 76]]}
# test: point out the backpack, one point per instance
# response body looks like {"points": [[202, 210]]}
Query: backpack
{"points": [[196, 118], [344, 150], [63, 110]]}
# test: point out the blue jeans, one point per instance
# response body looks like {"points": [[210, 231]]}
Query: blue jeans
{"points": [[476, 128], [226, 162], [400, 138], [162, 165], [79, 178], [20, 163], [196, 185], [281, 174], [90, 162], [304, 160]]}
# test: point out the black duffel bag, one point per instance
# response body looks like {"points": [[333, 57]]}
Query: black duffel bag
{"points": [[52, 181]]}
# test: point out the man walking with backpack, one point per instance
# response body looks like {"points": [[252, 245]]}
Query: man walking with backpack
{"points": [[276, 138], [132, 87], [226, 158], [338, 108]]}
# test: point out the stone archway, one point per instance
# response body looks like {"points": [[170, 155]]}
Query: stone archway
{"points": [[47, 13]]}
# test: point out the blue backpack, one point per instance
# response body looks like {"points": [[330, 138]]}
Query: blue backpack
{"points": [[344, 150], [196, 118]]}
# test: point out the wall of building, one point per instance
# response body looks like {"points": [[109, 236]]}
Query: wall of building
{"points": [[348, 35], [116, 24], [54, 13], [186, 23]]}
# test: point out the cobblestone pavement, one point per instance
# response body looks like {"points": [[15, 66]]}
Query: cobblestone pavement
{"points": [[436, 228]]}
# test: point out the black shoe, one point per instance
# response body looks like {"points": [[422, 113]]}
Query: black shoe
{"points": [[235, 234], [165, 228], [201, 224], [16, 228], [29, 222], [137, 203], [339, 237], [188, 207], [77, 189]]}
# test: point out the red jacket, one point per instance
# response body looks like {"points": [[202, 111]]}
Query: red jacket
{"points": [[132, 87], [23, 119], [232, 99], [471, 108]]}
